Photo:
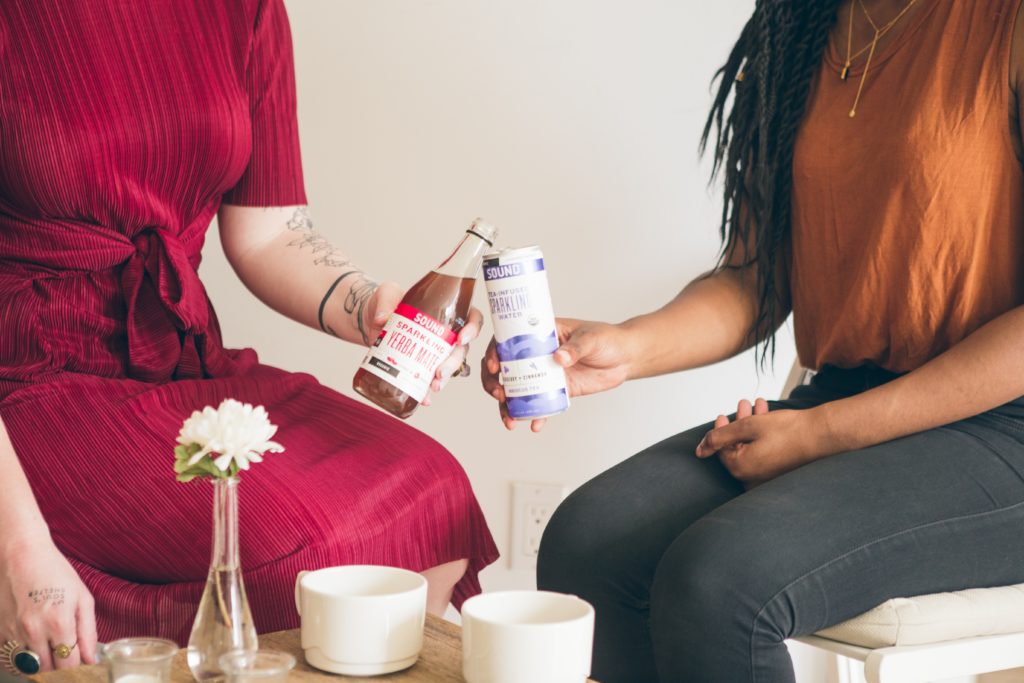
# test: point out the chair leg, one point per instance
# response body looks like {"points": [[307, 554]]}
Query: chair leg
{"points": [[850, 670]]}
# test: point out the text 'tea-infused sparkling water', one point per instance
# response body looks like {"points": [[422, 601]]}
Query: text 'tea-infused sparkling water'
{"points": [[525, 333]]}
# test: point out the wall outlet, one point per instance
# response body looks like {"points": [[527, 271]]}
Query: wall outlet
{"points": [[532, 507]]}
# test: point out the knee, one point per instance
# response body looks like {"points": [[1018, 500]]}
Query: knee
{"points": [[574, 545], [447, 574], [693, 588], [730, 600], [562, 550], [720, 584]]}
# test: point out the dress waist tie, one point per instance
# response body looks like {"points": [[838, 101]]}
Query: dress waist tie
{"points": [[168, 312]]}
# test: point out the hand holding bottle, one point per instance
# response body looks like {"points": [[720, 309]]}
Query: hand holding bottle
{"points": [[419, 345], [379, 307], [454, 365], [382, 304], [596, 357]]}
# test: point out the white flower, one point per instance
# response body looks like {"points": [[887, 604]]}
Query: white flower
{"points": [[233, 432]]}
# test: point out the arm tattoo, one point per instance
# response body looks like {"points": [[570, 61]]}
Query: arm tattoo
{"points": [[359, 293], [323, 302], [323, 251], [355, 302], [362, 287]]}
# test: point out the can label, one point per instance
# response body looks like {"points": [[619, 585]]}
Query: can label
{"points": [[409, 350], [525, 334]]}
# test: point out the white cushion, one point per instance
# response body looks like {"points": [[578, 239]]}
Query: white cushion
{"points": [[935, 618]]}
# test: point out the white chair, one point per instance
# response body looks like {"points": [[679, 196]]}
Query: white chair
{"points": [[929, 637]]}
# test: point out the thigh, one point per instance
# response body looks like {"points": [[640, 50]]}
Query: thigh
{"points": [[619, 523], [353, 484], [937, 511]]}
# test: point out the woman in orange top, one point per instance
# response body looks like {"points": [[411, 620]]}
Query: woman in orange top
{"points": [[871, 152]]}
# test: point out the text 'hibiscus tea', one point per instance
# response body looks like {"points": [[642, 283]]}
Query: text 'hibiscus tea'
{"points": [[525, 333]]}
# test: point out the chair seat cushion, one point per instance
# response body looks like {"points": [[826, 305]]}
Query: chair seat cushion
{"points": [[935, 618]]}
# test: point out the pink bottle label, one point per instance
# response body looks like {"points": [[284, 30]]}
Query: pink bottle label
{"points": [[409, 350]]}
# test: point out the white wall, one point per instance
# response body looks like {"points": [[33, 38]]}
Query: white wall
{"points": [[571, 124]]}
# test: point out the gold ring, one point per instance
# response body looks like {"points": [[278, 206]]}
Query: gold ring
{"points": [[463, 370], [62, 651]]}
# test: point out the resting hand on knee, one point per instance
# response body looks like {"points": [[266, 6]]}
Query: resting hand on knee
{"points": [[759, 446]]}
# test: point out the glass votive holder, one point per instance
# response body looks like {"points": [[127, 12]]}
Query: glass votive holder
{"points": [[139, 660], [256, 666]]}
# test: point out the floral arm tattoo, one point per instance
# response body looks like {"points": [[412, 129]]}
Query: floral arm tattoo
{"points": [[324, 253]]}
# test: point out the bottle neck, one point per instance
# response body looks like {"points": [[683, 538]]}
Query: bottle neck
{"points": [[465, 260], [225, 523]]}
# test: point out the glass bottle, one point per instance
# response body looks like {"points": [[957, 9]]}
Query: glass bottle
{"points": [[400, 365], [224, 621]]}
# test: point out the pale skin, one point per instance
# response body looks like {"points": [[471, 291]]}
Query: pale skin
{"points": [[710, 320], [288, 265]]}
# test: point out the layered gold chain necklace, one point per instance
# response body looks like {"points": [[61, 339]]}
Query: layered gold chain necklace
{"points": [[869, 48]]}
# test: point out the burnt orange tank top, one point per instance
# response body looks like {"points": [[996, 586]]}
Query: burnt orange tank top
{"points": [[908, 220]]}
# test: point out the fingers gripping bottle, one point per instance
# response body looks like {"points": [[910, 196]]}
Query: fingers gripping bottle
{"points": [[398, 369]]}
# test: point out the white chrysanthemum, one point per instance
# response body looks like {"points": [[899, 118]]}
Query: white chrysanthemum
{"points": [[234, 431]]}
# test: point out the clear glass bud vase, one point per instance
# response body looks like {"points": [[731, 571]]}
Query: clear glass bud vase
{"points": [[224, 621]]}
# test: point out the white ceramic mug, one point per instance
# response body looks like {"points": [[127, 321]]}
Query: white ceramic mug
{"points": [[361, 620], [519, 636]]}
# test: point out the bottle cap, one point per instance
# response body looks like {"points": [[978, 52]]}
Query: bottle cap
{"points": [[484, 231]]}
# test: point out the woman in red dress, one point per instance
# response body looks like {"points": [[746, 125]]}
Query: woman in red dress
{"points": [[125, 128]]}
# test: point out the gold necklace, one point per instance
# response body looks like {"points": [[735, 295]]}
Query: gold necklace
{"points": [[870, 48]]}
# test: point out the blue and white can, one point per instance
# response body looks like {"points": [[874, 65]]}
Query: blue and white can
{"points": [[524, 329]]}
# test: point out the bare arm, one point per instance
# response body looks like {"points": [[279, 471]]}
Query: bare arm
{"points": [[295, 270], [983, 371], [712, 319], [709, 321], [42, 598], [23, 522]]}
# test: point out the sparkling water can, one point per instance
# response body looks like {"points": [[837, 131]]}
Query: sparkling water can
{"points": [[525, 333]]}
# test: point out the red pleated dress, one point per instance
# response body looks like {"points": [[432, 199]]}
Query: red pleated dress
{"points": [[123, 127]]}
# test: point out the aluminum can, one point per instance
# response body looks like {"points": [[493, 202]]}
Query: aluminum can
{"points": [[525, 333]]}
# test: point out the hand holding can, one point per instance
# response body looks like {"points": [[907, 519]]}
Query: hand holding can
{"points": [[525, 334]]}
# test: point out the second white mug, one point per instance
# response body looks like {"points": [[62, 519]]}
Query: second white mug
{"points": [[361, 620], [526, 636]]}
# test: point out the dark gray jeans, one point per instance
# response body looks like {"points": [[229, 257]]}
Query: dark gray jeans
{"points": [[696, 580]]}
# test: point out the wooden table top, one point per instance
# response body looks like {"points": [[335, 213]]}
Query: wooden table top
{"points": [[440, 661]]}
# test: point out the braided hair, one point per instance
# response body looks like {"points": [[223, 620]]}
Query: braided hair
{"points": [[777, 54]]}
